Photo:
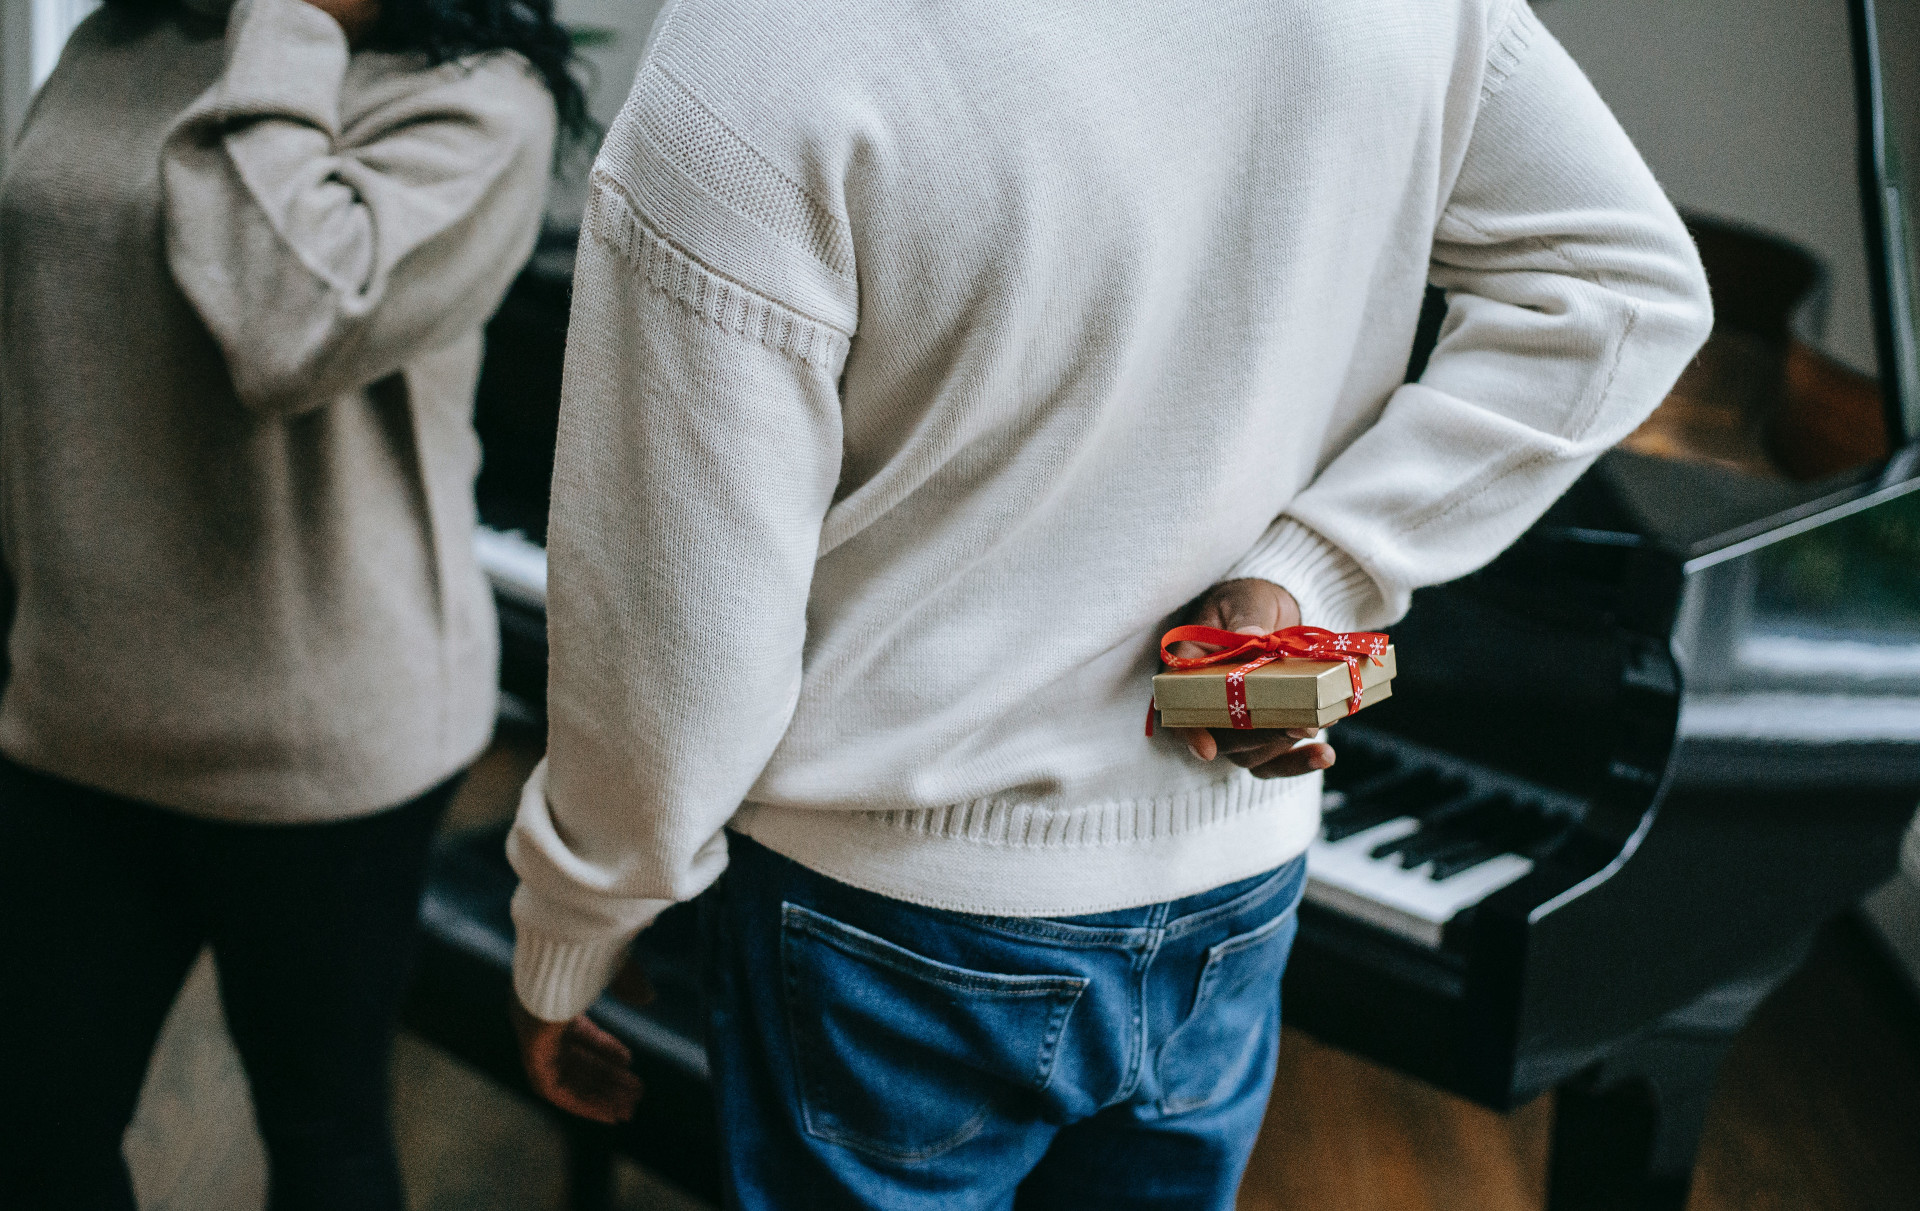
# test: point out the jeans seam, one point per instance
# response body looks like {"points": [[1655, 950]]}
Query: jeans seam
{"points": [[856, 941], [1215, 954], [1240, 903], [1137, 1046], [1085, 937]]}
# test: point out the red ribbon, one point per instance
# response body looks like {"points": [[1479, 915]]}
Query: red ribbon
{"points": [[1290, 643]]}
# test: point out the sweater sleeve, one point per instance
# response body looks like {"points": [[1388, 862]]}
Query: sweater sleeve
{"points": [[1575, 298], [699, 448], [324, 256]]}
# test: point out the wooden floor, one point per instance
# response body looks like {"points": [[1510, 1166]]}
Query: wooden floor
{"points": [[1818, 1109]]}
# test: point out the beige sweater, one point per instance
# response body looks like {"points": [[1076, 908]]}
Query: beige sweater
{"points": [[242, 282], [926, 357]]}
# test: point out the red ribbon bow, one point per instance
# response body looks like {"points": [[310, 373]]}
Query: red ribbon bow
{"points": [[1290, 643]]}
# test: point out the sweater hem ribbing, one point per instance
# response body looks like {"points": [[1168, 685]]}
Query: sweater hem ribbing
{"points": [[1003, 859]]}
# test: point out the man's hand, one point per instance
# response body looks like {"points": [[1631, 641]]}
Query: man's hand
{"points": [[578, 1066], [356, 17], [1253, 607]]}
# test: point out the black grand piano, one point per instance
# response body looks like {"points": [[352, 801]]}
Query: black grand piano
{"points": [[1694, 737]]}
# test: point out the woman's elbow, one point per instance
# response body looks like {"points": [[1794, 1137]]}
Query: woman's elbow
{"points": [[281, 380]]}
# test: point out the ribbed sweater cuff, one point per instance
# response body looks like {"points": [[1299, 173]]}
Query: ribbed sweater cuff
{"points": [[556, 979], [1333, 591], [557, 972]]}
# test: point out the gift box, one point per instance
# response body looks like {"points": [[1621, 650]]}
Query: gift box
{"points": [[1299, 677]]}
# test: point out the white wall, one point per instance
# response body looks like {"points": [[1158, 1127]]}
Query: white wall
{"points": [[31, 35], [615, 33], [625, 23], [53, 20], [16, 69], [1744, 108]]}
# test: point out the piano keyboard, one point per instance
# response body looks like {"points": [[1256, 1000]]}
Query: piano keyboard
{"points": [[1410, 839], [513, 564]]}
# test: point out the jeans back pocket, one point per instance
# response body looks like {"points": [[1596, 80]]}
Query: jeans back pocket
{"points": [[903, 1057], [1229, 1037]]}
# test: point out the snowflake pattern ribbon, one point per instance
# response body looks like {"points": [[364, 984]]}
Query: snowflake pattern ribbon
{"points": [[1254, 651]]}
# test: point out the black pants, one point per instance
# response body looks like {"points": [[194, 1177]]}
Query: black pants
{"points": [[104, 905]]}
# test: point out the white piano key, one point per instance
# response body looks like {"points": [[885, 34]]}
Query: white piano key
{"points": [[1344, 877], [513, 564]]}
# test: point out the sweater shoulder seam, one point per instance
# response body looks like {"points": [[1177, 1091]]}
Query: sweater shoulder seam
{"points": [[737, 309], [1507, 49], [710, 150]]}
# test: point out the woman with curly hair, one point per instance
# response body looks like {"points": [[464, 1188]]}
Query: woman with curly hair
{"points": [[245, 260]]}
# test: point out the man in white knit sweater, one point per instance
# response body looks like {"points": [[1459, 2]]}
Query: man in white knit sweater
{"points": [[926, 362]]}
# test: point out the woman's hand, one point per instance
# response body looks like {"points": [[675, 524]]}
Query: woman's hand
{"points": [[356, 17], [1253, 607]]}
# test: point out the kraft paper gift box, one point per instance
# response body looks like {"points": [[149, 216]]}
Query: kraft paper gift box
{"points": [[1286, 693]]}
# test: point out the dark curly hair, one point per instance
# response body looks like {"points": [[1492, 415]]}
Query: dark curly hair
{"points": [[444, 30]]}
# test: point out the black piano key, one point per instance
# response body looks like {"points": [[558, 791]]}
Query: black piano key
{"points": [[1470, 851], [1417, 846], [1351, 820], [1358, 763], [1358, 818], [1374, 785], [1375, 804], [1527, 832], [1463, 860], [1470, 812], [1365, 807], [1427, 842], [1473, 803]]}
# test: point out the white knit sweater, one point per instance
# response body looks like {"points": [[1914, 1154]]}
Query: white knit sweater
{"points": [[927, 358]]}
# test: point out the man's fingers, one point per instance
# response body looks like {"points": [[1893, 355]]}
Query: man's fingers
{"points": [[1240, 740], [585, 1032], [1200, 742], [609, 1109], [1260, 754], [1255, 606], [1297, 761], [1262, 744], [1246, 607], [591, 1075], [598, 1083], [594, 1077], [578, 1066], [1232, 742], [553, 1078]]}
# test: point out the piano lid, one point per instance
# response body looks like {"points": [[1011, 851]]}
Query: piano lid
{"points": [[1886, 49]]}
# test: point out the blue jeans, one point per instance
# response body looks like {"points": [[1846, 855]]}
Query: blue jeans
{"points": [[873, 1053]]}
